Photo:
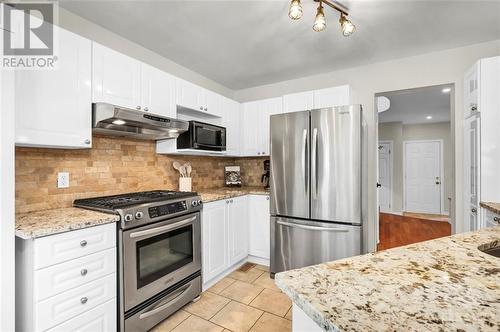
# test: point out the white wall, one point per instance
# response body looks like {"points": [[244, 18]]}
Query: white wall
{"points": [[417, 71], [7, 223], [95, 32], [398, 133]]}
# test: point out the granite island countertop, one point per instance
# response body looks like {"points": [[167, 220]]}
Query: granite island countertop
{"points": [[445, 284], [492, 206], [49, 222], [216, 194]]}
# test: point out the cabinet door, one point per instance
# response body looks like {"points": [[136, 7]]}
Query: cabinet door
{"points": [[297, 102], [116, 78], [238, 228], [232, 121], [271, 106], [189, 95], [212, 103], [251, 131], [471, 87], [157, 91], [215, 239], [53, 107], [336, 96], [259, 225]]}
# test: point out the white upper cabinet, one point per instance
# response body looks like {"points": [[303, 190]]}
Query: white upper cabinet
{"points": [[231, 119], [53, 107], [297, 102], [471, 87], [116, 78], [336, 96], [212, 102], [271, 106], [198, 99], [157, 91]]}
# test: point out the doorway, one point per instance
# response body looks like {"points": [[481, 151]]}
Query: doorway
{"points": [[415, 164]]}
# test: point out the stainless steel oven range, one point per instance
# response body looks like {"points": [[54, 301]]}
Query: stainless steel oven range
{"points": [[159, 253]]}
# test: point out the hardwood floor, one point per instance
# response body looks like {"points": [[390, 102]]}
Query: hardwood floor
{"points": [[401, 229]]}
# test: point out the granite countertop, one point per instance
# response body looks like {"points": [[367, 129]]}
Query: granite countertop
{"points": [[492, 206], [49, 222], [439, 285], [216, 194]]}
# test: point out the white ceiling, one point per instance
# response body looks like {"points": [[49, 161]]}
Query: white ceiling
{"points": [[241, 44], [414, 105]]}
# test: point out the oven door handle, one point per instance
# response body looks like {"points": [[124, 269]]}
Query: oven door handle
{"points": [[173, 297], [161, 229]]}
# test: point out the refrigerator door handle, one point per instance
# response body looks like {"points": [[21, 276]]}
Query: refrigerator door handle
{"points": [[314, 167], [304, 153], [313, 228]]}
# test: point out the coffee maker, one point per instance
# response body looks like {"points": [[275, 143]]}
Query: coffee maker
{"points": [[266, 175]]}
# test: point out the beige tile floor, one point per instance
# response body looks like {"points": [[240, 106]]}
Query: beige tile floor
{"points": [[246, 300]]}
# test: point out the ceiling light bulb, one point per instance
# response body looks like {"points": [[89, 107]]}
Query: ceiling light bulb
{"points": [[320, 21], [119, 122], [347, 27], [446, 90], [295, 11], [428, 117]]}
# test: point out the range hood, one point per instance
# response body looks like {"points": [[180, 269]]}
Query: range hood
{"points": [[113, 120]]}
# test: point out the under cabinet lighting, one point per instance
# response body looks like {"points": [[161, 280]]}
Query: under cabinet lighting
{"points": [[119, 122]]}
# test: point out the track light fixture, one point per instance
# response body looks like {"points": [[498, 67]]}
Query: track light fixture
{"points": [[347, 27]]}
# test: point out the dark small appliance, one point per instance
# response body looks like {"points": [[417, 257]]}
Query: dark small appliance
{"points": [[203, 136], [266, 175]]}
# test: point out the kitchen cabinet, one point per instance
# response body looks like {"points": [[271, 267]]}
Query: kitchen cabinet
{"points": [[53, 106], [198, 99], [116, 78], [256, 125], [157, 91], [67, 281], [297, 102], [490, 218], [231, 119], [224, 235], [259, 226], [329, 97]]}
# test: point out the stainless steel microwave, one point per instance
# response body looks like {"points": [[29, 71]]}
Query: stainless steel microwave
{"points": [[203, 136]]}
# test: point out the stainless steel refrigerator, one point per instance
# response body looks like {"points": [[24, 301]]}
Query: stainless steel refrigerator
{"points": [[318, 186]]}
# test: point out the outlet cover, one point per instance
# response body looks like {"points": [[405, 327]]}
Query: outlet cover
{"points": [[63, 180]]}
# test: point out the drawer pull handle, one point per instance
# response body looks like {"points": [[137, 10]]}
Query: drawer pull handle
{"points": [[84, 300], [83, 272], [83, 243]]}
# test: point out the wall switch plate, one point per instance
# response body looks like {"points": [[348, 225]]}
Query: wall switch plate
{"points": [[63, 180]]}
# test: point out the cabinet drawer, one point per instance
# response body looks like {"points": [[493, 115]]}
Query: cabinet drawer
{"points": [[68, 275], [59, 308], [100, 319], [55, 249]]}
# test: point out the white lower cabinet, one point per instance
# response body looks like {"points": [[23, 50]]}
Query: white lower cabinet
{"points": [[490, 218], [68, 281], [231, 230], [260, 228]]}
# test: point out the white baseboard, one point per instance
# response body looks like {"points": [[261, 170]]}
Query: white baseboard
{"points": [[258, 260]]}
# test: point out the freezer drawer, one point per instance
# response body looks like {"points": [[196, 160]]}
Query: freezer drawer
{"points": [[297, 243]]}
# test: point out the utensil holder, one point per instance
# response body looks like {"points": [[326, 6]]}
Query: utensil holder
{"points": [[185, 184]]}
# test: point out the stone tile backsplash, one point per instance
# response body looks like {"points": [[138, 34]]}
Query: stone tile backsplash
{"points": [[114, 166]]}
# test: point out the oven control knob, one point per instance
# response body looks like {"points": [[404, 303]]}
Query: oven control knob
{"points": [[139, 215], [129, 217], [194, 203]]}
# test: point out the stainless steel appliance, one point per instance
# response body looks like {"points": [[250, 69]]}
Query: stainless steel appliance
{"points": [[318, 180], [113, 120], [203, 136], [159, 253]]}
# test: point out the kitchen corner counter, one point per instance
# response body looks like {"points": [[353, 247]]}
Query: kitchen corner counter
{"points": [[49, 222], [439, 285], [493, 207], [217, 194]]}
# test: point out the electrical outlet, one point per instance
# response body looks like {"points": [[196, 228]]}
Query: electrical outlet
{"points": [[63, 180]]}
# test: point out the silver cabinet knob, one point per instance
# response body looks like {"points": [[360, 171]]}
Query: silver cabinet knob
{"points": [[231, 201], [206, 109], [473, 210], [146, 109], [258, 153], [267, 198], [83, 272], [87, 141], [138, 107], [83, 243], [496, 219], [84, 300], [201, 108]]}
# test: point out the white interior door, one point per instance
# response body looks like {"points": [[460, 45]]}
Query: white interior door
{"points": [[422, 176], [385, 175]]}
